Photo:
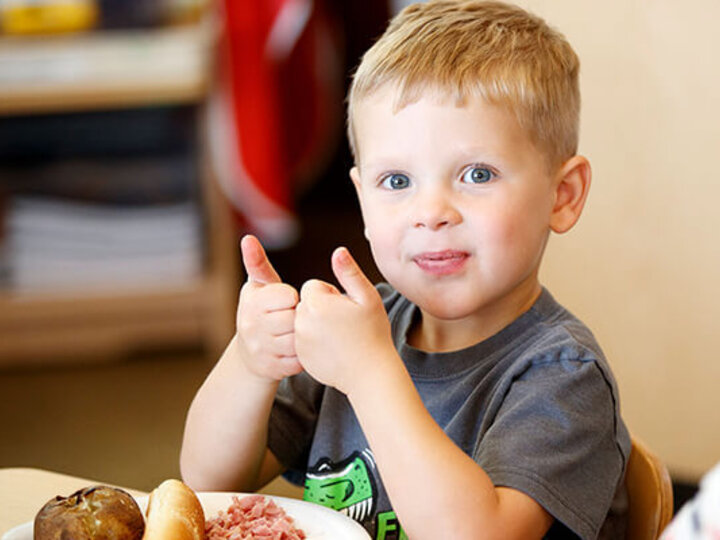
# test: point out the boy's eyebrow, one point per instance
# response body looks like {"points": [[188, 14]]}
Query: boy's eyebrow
{"points": [[379, 165], [472, 154]]}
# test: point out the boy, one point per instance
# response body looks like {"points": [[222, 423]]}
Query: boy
{"points": [[459, 401]]}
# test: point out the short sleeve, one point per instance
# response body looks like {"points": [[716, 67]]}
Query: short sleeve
{"points": [[293, 418], [555, 438]]}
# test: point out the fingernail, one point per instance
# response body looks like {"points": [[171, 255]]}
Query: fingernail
{"points": [[343, 255]]}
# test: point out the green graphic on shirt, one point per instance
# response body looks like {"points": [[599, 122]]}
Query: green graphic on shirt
{"points": [[346, 486], [388, 527]]}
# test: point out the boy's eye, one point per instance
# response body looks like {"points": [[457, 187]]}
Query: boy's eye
{"points": [[477, 175], [396, 181]]}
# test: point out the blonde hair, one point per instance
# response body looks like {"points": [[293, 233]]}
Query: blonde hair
{"points": [[491, 50]]}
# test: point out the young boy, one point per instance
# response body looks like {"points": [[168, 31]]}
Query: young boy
{"points": [[459, 400]]}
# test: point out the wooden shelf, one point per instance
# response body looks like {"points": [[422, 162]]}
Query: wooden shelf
{"points": [[119, 70], [73, 99], [35, 328], [112, 69]]}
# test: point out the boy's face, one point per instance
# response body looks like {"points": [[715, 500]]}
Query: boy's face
{"points": [[456, 203]]}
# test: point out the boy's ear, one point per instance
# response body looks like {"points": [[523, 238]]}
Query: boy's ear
{"points": [[571, 191], [355, 177]]}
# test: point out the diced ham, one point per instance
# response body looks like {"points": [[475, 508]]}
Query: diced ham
{"points": [[253, 517]]}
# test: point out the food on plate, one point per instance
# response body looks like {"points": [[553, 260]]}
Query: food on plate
{"points": [[94, 512], [174, 513], [253, 517]]}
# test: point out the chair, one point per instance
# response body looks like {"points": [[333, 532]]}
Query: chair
{"points": [[649, 492]]}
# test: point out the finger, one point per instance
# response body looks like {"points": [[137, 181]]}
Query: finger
{"points": [[279, 323], [289, 366], [276, 297], [280, 367], [267, 349], [257, 299], [257, 265], [356, 285], [314, 287], [283, 346]]}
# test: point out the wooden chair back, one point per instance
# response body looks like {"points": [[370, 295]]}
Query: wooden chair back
{"points": [[649, 492]]}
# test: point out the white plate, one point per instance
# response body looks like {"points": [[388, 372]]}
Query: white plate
{"points": [[318, 522]]}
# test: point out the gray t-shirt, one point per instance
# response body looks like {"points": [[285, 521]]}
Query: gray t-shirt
{"points": [[535, 405]]}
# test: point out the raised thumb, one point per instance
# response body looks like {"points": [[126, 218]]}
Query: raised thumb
{"points": [[257, 265], [357, 286]]}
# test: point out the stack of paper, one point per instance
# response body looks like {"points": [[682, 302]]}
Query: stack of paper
{"points": [[54, 244]]}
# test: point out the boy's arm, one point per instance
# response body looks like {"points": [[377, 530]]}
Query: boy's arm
{"points": [[225, 441], [225, 435], [431, 481], [345, 342]]}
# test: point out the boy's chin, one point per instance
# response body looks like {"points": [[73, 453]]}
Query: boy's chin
{"points": [[444, 311], [448, 308]]}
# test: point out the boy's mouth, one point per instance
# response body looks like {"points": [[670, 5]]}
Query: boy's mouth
{"points": [[441, 263]]}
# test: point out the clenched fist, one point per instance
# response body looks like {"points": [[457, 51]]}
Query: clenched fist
{"points": [[266, 317], [342, 338]]}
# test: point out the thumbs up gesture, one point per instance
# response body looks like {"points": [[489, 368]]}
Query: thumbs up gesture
{"points": [[339, 336], [266, 317]]}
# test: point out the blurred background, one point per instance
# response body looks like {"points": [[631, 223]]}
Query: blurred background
{"points": [[139, 139]]}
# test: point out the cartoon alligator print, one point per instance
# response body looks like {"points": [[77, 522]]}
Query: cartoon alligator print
{"points": [[346, 486]]}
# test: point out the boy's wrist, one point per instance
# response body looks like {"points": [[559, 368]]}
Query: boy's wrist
{"points": [[386, 374]]}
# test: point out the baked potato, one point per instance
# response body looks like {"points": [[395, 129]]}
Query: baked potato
{"points": [[94, 512]]}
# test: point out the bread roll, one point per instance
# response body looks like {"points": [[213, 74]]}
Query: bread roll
{"points": [[91, 513], [174, 513]]}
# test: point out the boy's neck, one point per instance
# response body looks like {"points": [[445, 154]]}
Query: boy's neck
{"points": [[431, 334]]}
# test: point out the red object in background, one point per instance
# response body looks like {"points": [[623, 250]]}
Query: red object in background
{"points": [[277, 111]]}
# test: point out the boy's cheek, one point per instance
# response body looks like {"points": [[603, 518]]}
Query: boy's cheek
{"points": [[508, 229]]}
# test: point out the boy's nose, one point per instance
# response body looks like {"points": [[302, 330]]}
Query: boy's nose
{"points": [[435, 210]]}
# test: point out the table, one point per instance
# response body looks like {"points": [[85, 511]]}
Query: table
{"points": [[23, 491]]}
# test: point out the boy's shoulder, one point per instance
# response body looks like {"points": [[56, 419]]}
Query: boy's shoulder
{"points": [[547, 325], [554, 325], [544, 342]]}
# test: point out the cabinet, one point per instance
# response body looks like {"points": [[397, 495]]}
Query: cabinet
{"points": [[115, 70]]}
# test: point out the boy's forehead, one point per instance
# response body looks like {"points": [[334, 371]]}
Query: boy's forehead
{"points": [[392, 100], [435, 120], [388, 106]]}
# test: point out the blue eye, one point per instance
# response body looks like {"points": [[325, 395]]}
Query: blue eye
{"points": [[396, 181], [477, 175]]}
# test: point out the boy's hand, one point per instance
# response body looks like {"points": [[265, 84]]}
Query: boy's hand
{"points": [[339, 338], [266, 317]]}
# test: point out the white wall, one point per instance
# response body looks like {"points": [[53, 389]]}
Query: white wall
{"points": [[641, 267]]}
